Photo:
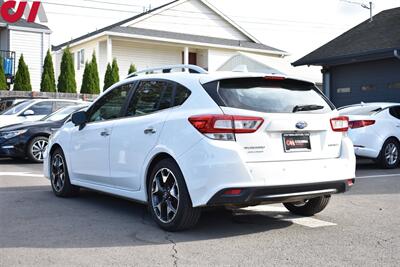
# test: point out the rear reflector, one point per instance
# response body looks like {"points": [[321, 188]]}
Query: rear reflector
{"points": [[223, 127], [340, 124], [233, 192], [361, 123], [350, 182]]}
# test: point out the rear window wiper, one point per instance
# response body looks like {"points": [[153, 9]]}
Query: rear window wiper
{"points": [[307, 108]]}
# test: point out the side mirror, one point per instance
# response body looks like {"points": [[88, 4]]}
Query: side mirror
{"points": [[28, 113], [79, 118]]}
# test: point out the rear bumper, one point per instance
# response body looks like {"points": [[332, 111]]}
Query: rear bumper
{"points": [[279, 194]]}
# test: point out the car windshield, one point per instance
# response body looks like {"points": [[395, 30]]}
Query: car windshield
{"points": [[360, 110], [283, 96], [62, 114], [17, 108]]}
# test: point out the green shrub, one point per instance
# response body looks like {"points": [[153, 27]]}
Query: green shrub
{"points": [[3, 81], [108, 78], [90, 81], [48, 81], [22, 78], [115, 70], [132, 69], [95, 75], [66, 80]]}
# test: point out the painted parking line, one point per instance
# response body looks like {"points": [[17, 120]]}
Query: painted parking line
{"points": [[21, 174], [282, 214], [379, 176]]}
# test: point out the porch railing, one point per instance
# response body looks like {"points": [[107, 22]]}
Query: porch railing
{"points": [[8, 58]]}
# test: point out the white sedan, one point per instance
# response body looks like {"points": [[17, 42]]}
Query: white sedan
{"points": [[375, 131]]}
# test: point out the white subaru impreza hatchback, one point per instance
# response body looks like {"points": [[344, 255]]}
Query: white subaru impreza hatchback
{"points": [[182, 141]]}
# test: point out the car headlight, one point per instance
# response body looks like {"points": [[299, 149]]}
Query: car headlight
{"points": [[11, 134]]}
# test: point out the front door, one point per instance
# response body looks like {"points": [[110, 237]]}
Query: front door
{"points": [[90, 153]]}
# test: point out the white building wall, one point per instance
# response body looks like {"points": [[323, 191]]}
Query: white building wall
{"points": [[217, 57], [144, 55], [191, 17], [33, 45]]}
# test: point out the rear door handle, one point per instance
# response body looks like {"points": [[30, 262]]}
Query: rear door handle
{"points": [[150, 131], [105, 133]]}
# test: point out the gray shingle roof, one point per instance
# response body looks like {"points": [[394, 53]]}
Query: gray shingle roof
{"points": [[378, 36], [192, 38], [117, 28], [25, 24]]}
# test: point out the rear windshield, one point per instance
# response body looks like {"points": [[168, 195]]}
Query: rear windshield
{"points": [[360, 110], [285, 96]]}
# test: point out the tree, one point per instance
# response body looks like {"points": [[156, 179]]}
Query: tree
{"points": [[48, 82], [115, 70], [108, 78], [3, 82], [132, 69], [95, 75], [66, 80], [22, 78], [85, 88]]}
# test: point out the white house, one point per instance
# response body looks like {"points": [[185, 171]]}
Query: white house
{"points": [[182, 31], [30, 39], [264, 63]]}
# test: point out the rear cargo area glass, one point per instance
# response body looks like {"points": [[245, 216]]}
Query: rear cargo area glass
{"points": [[280, 96]]}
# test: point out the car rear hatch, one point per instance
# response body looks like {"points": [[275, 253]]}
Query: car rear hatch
{"points": [[293, 120]]}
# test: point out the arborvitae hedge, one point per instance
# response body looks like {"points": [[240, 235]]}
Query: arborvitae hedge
{"points": [[22, 78], [95, 75], [3, 82], [115, 70], [90, 81], [108, 78], [48, 82], [132, 69], [66, 80]]}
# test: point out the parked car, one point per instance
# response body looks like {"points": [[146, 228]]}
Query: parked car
{"points": [[9, 102], [375, 131], [33, 110], [183, 141], [30, 139]]}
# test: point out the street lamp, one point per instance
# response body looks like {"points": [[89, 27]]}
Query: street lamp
{"points": [[369, 7]]}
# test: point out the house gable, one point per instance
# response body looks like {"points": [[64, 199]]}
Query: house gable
{"points": [[192, 16]]}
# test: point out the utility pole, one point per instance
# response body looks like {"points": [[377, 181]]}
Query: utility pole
{"points": [[370, 7]]}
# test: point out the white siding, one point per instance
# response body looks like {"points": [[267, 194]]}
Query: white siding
{"points": [[217, 57], [191, 17], [34, 47], [144, 55]]}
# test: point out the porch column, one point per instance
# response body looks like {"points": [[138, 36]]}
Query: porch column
{"points": [[109, 50], [186, 56]]}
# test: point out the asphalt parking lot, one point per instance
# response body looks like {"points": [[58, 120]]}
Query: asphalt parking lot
{"points": [[360, 228]]}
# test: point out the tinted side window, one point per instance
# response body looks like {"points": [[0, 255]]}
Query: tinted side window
{"points": [[110, 105], [42, 108], [150, 96], [181, 95], [395, 112]]}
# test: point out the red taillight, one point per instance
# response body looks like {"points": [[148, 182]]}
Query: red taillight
{"points": [[350, 182], [223, 127], [361, 123], [340, 124], [233, 192]]}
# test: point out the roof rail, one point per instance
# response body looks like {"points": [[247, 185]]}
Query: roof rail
{"points": [[169, 68]]}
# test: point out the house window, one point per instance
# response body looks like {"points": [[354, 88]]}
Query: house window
{"points": [[395, 85], [368, 87], [344, 90], [81, 59]]}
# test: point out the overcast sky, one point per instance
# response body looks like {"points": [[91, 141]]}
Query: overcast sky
{"points": [[295, 26]]}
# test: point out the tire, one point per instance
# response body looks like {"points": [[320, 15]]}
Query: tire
{"points": [[309, 207], [389, 158], [36, 148], [59, 177], [168, 198]]}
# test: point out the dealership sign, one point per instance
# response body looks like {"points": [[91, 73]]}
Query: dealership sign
{"points": [[11, 11]]}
